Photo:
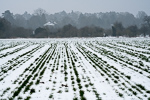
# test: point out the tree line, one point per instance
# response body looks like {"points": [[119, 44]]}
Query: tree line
{"points": [[74, 24], [77, 19], [69, 31], [116, 30]]}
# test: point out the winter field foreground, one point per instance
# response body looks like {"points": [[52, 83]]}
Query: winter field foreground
{"points": [[75, 69]]}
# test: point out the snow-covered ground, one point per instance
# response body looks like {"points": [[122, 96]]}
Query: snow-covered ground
{"points": [[75, 69]]}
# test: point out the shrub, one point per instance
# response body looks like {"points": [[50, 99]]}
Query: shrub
{"points": [[73, 82], [140, 86], [65, 73], [66, 90], [91, 84], [32, 91], [72, 78], [81, 93], [54, 82], [83, 98], [141, 63], [115, 81], [42, 72], [134, 92], [78, 80], [102, 74], [129, 77], [66, 78], [74, 89], [80, 87], [28, 87], [140, 72], [16, 93], [120, 94], [27, 98], [20, 98], [86, 85], [148, 92], [47, 88], [51, 96], [10, 98], [60, 91], [117, 77], [37, 82]]}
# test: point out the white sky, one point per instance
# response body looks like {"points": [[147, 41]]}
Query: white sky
{"points": [[89, 6]]}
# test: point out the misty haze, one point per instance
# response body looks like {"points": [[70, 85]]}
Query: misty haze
{"points": [[75, 50]]}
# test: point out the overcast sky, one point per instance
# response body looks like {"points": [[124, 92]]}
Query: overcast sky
{"points": [[89, 6]]}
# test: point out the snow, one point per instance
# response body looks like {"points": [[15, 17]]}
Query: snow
{"points": [[102, 76], [50, 24]]}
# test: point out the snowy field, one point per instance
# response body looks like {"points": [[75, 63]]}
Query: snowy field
{"points": [[75, 69]]}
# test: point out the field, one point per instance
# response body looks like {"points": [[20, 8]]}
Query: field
{"points": [[75, 69]]}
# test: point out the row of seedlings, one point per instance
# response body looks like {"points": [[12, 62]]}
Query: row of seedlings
{"points": [[14, 51], [113, 76], [29, 77], [15, 63], [118, 57]]}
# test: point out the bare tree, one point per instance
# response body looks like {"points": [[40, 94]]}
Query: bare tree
{"points": [[39, 12], [147, 20], [141, 15]]}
